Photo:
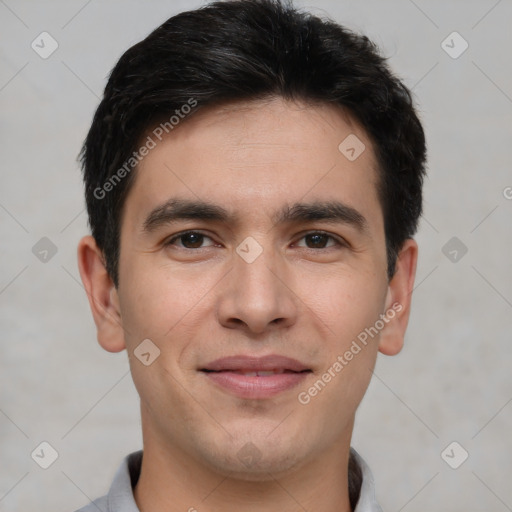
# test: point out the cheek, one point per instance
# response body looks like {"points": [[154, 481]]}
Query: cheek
{"points": [[346, 302], [143, 308], [349, 305], [156, 298]]}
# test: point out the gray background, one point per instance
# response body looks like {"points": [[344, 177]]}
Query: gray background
{"points": [[451, 382]]}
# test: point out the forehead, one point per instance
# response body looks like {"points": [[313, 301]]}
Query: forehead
{"points": [[252, 157]]}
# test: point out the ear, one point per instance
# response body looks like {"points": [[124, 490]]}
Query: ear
{"points": [[398, 300], [102, 295]]}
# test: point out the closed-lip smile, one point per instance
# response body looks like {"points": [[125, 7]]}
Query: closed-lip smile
{"points": [[256, 377]]}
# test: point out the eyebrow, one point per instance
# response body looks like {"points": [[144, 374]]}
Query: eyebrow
{"points": [[176, 209]]}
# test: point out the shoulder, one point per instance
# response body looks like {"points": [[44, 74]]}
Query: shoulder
{"points": [[366, 501], [120, 495]]}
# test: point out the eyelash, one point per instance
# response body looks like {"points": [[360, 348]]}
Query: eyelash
{"points": [[338, 242]]}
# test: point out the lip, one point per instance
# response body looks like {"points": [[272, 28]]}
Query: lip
{"points": [[253, 363], [227, 374]]}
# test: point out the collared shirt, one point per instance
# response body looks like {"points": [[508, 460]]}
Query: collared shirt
{"points": [[120, 496]]}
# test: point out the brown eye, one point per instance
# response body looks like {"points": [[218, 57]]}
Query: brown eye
{"points": [[189, 240], [319, 240]]}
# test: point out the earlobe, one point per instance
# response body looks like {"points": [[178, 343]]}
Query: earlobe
{"points": [[102, 295], [398, 300]]}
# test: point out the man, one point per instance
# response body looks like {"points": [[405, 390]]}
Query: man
{"points": [[253, 181]]}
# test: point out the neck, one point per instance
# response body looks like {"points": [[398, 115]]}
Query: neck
{"points": [[171, 480]]}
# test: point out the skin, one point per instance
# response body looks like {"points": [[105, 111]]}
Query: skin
{"points": [[297, 299]]}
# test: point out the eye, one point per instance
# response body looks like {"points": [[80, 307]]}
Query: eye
{"points": [[189, 239], [195, 239], [318, 240]]}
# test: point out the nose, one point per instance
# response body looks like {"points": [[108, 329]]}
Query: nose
{"points": [[258, 296]]}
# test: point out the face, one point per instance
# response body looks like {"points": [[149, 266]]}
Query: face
{"points": [[254, 278]]}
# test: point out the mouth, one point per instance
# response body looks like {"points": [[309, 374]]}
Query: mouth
{"points": [[255, 377], [246, 363], [256, 373]]}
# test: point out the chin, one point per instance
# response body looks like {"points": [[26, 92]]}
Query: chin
{"points": [[254, 461], [267, 468]]}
